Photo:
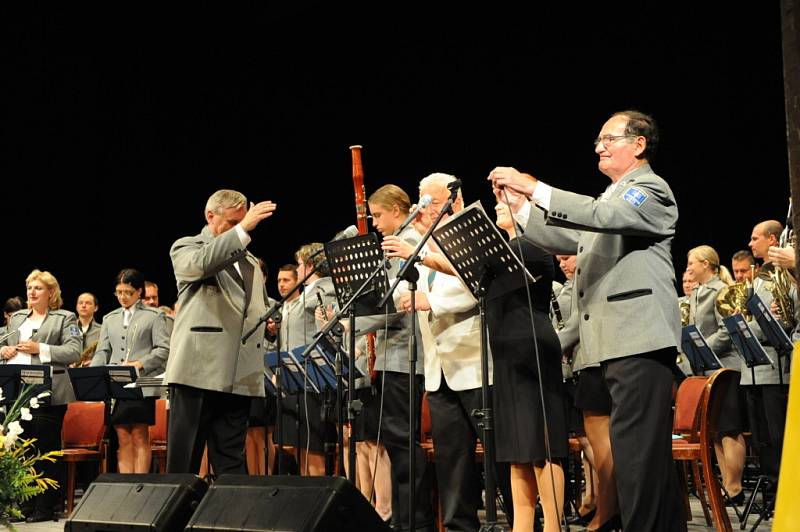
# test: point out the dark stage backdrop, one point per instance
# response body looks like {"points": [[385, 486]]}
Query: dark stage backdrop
{"points": [[121, 121]]}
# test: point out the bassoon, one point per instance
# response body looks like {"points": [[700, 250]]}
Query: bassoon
{"points": [[361, 223]]}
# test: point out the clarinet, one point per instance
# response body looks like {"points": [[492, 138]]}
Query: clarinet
{"points": [[556, 310]]}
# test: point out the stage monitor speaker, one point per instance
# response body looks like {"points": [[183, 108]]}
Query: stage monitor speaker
{"points": [[131, 502], [285, 504]]}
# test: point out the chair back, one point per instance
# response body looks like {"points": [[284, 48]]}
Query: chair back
{"points": [[84, 425], [687, 406], [158, 432]]}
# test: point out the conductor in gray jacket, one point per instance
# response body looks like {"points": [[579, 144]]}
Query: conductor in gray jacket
{"points": [[625, 297], [211, 375]]}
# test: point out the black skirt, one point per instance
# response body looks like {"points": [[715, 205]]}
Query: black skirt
{"points": [[592, 394], [134, 412]]}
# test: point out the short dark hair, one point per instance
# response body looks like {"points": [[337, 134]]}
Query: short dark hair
{"points": [[642, 125], [743, 254], [13, 304], [289, 268], [131, 277]]}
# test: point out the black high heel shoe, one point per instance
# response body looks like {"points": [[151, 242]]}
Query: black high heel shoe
{"points": [[736, 500], [584, 519], [613, 524]]}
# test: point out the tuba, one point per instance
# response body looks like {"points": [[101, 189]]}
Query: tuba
{"points": [[733, 299]]}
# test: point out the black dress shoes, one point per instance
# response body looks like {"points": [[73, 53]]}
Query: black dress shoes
{"points": [[39, 516]]}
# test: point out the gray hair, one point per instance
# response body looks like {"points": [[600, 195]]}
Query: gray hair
{"points": [[225, 199], [437, 179]]}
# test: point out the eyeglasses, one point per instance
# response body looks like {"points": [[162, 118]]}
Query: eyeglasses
{"points": [[120, 293], [608, 140]]}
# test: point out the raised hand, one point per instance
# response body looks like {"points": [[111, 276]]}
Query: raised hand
{"points": [[257, 212]]}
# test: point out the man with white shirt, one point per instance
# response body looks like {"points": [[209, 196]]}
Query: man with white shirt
{"points": [[211, 374], [451, 328], [625, 298]]}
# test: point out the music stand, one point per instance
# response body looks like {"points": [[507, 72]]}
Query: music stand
{"points": [[479, 253], [701, 357], [100, 383], [746, 343], [293, 377], [14, 377], [772, 329]]}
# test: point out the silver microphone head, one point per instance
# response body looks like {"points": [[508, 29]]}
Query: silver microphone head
{"points": [[424, 201], [349, 232]]}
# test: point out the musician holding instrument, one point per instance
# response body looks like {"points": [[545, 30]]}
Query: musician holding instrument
{"points": [[87, 307], [706, 313], [743, 266], [767, 390], [389, 206], [305, 425], [133, 335]]}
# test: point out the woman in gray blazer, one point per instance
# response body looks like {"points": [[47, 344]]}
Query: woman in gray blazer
{"points": [[133, 335], [44, 334], [703, 263]]}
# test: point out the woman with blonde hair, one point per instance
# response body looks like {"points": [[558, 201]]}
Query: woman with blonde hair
{"points": [[44, 334], [703, 262]]}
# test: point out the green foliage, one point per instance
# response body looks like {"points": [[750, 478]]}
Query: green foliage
{"points": [[19, 480]]}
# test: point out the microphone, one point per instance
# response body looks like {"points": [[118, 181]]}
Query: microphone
{"points": [[454, 185], [424, 201], [348, 232]]}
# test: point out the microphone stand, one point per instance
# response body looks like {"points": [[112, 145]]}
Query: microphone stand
{"points": [[409, 273]]}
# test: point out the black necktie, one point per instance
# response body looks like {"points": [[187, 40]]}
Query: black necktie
{"points": [[247, 271]]}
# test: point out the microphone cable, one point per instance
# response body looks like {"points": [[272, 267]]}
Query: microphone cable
{"points": [[526, 284]]}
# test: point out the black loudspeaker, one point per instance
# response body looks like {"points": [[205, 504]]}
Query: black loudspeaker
{"points": [[285, 504], [116, 502]]}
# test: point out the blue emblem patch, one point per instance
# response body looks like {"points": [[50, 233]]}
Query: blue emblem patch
{"points": [[635, 197], [74, 331]]}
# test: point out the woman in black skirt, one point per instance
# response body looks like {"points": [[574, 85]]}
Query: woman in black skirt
{"points": [[523, 428], [133, 335]]}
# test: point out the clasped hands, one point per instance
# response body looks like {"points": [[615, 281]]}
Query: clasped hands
{"points": [[29, 347]]}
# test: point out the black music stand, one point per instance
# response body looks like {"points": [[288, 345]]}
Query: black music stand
{"points": [[746, 343], [14, 377], [701, 357], [772, 329], [479, 253], [101, 383]]}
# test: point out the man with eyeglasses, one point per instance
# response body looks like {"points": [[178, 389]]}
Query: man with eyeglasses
{"points": [[626, 303], [212, 375]]}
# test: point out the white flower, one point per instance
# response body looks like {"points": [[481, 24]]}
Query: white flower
{"points": [[43, 394], [14, 430], [34, 402], [1, 394], [25, 414]]}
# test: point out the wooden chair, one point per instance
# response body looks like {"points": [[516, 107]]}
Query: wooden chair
{"points": [[699, 444], [82, 441], [158, 436], [686, 451]]}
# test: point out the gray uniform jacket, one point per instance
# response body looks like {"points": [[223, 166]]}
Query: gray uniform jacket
{"points": [[216, 305], [91, 335], [298, 324], [146, 339], [624, 291], [703, 314], [398, 325], [765, 374], [60, 331]]}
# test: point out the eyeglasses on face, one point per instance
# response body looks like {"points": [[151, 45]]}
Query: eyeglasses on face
{"points": [[608, 140], [121, 293]]}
